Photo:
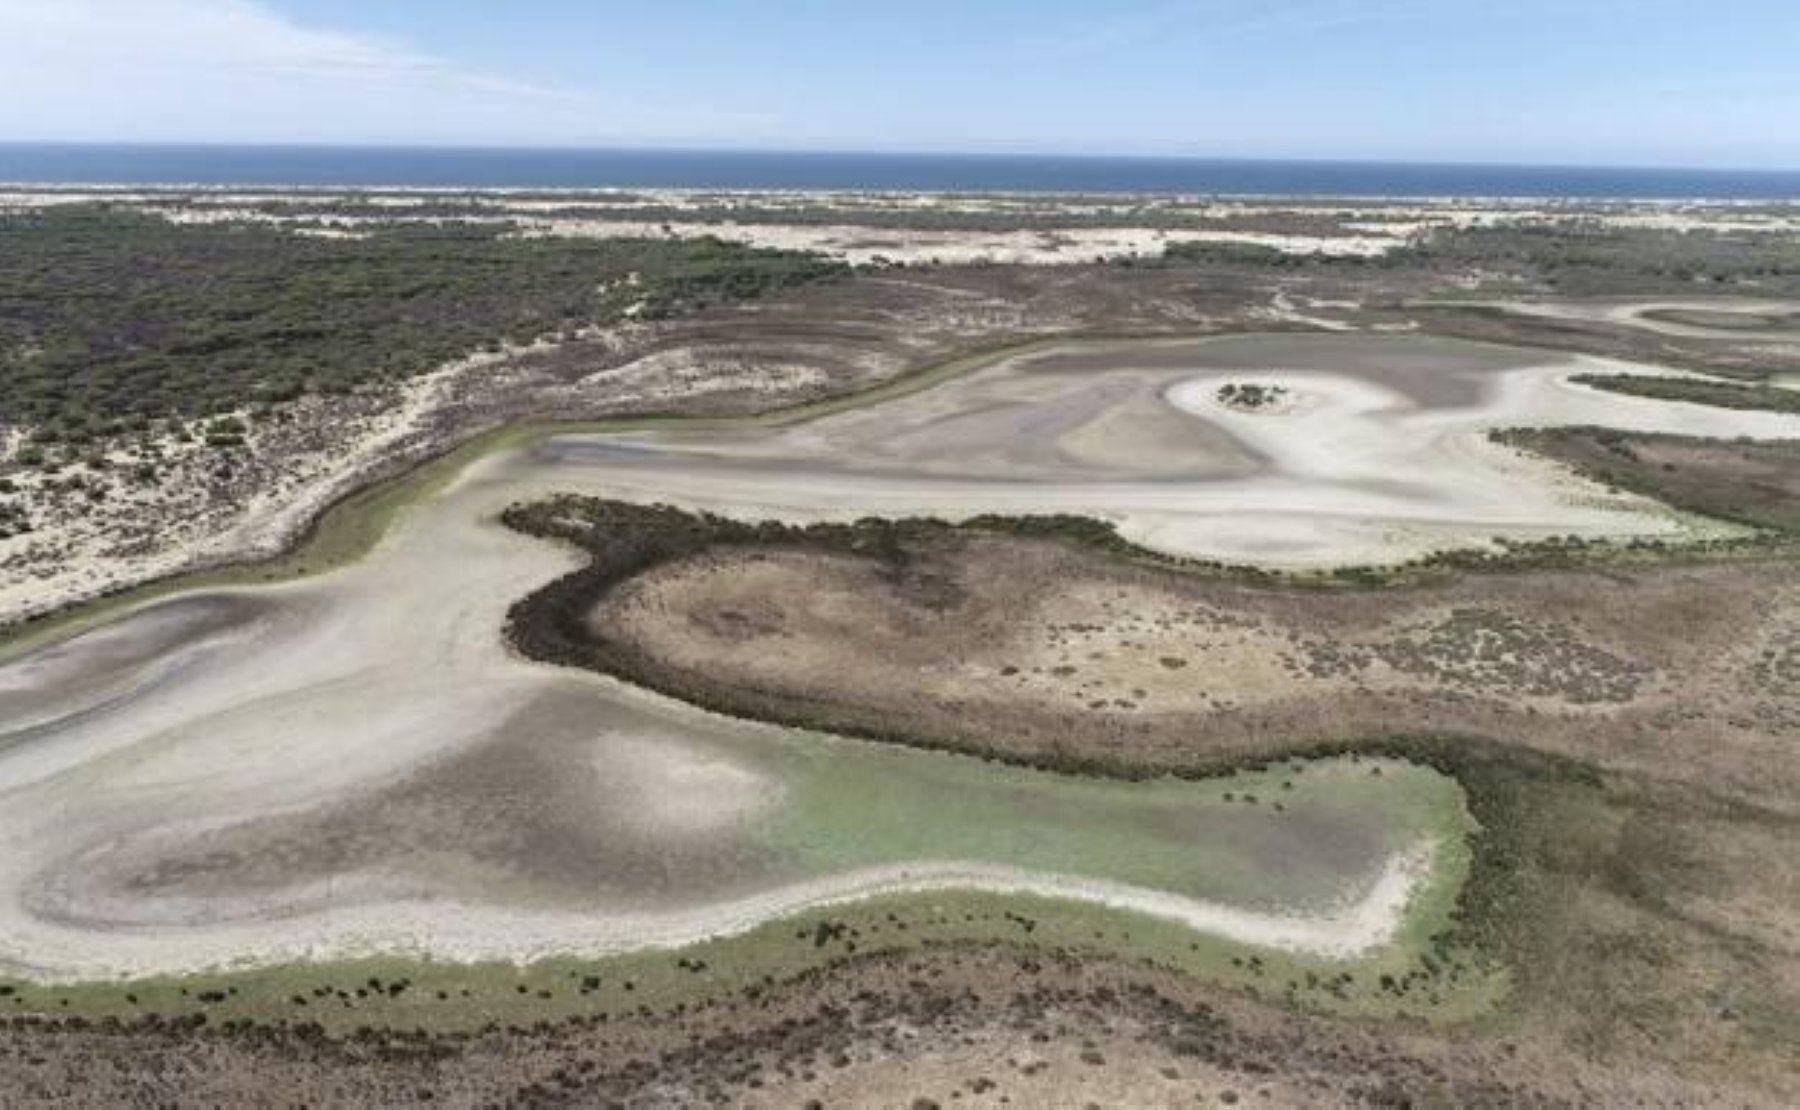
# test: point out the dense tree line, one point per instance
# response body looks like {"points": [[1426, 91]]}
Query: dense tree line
{"points": [[109, 320], [1584, 256], [1578, 256]]}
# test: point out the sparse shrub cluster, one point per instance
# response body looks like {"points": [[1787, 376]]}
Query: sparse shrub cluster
{"points": [[1490, 648]]}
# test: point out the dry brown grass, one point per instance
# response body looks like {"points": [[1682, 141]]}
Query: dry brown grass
{"points": [[1030, 647]]}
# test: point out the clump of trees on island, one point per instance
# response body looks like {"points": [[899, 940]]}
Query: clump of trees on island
{"points": [[1251, 396]]}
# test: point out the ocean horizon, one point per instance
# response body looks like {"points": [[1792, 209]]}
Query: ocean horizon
{"points": [[546, 168]]}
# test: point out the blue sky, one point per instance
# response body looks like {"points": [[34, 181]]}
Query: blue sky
{"points": [[1656, 82]]}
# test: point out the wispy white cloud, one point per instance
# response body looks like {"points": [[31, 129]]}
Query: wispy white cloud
{"points": [[240, 68], [1371, 78]]}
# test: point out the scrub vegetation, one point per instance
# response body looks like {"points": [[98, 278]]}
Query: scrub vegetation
{"points": [[1752, 483], [969, 212], [1699, 391], [1573, 256], [1588, 257], [114, 320]]}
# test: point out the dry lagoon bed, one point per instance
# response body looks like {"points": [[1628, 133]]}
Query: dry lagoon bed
{"points": [[354, 762], [1377, 452]]}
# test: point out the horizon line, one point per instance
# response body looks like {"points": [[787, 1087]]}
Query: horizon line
{"points": [[855, 152]]}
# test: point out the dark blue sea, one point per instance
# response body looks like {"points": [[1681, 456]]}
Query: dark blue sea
{"points": [[421, 167]]}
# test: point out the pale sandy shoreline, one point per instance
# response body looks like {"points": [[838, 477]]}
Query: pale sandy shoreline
{"points": [[436, 929]]}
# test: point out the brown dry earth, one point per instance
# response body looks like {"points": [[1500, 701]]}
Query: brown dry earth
{"points": [[1665, 932], [1033, 648]]}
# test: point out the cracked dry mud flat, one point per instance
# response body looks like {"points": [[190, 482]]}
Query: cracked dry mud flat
{"points": [[355, 761]]}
